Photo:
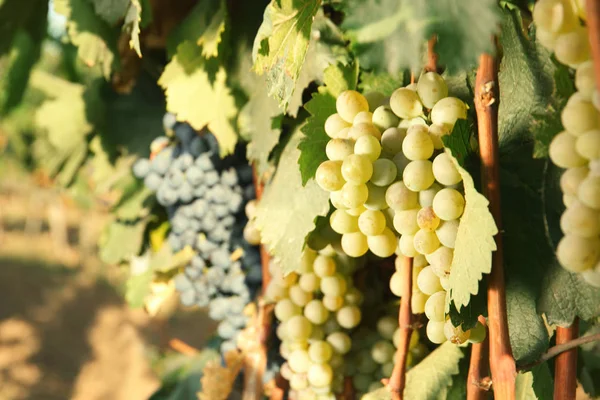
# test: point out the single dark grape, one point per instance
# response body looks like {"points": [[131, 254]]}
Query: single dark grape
{"points": [[184, 133]]}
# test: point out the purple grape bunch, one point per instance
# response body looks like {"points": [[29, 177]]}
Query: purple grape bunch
{"points": [[204, 197]]}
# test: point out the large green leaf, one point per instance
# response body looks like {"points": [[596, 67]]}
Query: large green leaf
{"points": [[430, 379], [197, 96], [93, 37], [122, 240], [204, 25], [281, 44], [25, 52], [390, 35], [257, 121], [287, 211], [474, 243], [21, 15]]}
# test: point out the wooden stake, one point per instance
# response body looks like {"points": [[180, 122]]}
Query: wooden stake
{"points": [[502, 363]]}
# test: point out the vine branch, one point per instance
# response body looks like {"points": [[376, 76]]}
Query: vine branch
{"points": [[397, 381], [502, 363], [592, 8], [478, 368], [565, 366], [561, 348]]}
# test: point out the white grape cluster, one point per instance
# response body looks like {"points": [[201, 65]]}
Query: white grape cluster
{"points": [[577, 148], [375, 353], [387, 170], [429, 297], [315, 306]]}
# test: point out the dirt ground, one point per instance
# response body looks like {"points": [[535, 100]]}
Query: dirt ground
{"points": [[65, 330]]}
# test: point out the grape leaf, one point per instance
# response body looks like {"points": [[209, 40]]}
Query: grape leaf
{"points": [[93, 37], [52, 114], [326, 47], [320, 107], [134, 204], [458, 389], [382, 82], [204, 25], [547, 124], [524, 387], [25, 52], [19, 15], [565, 295], [132, 22], [339, 78], [524, 62], [111, 10], [287, 211], [377, 29], [460, 44], [256, 121], [138, 111], [281, 44], [137, 288], [474, 242], [121, 240], [528, 334], [312, 146], [543, 384], [72, 164], [459, 141], [196, 98], [535, 384], [530, 196], [430, 379]]}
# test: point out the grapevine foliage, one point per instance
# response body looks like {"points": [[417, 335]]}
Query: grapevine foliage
{"points": [[79, 105]]}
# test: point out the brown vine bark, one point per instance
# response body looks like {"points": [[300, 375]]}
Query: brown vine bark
{"points": [[565, 366], [432, 57], [256, 360], [592, 8], [502, 363], [479, 367], [397, 381]]}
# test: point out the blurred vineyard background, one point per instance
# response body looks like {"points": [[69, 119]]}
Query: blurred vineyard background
{"points": [[66, 331]]}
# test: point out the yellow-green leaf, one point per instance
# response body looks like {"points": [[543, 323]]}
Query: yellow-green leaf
{"points": [[286, 214], [281, 44], [199, 98], [474, 242]]}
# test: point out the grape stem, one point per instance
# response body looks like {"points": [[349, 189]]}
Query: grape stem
{"points": [[478, 369], [559, 349], [397, 381], [502, 363], [181, 347]]}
